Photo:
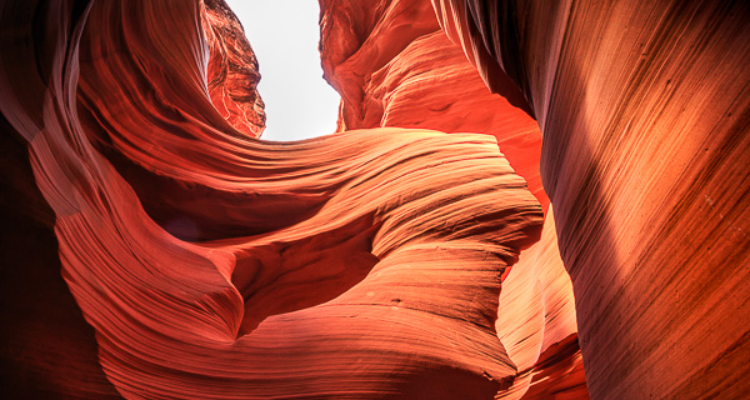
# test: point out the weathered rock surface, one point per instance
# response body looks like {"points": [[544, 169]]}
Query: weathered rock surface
{"points": [[393, 73], [394, 67], [154, 247], [212, 265], [644, 109]]}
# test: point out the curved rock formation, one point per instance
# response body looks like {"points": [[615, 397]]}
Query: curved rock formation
{"points": [[232, 71], [154, 247], [391, 71], [213, 265], [394, 73], [644, 110]]}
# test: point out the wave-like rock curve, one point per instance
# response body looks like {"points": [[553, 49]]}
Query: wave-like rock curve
{"points": [[213, 265]]}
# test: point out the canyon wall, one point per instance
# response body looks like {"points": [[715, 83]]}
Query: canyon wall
{"points": [[392, 71], [644, 109], [161, 251], [155, 247]]}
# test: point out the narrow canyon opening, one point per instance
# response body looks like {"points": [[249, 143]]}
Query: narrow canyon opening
{"points": [[299, 103]]}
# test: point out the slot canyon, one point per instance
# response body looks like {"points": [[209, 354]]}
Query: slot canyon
{"points": [[523, 199]]}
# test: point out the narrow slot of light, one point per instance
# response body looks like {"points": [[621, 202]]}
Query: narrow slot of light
{"points": [[284, 35]]}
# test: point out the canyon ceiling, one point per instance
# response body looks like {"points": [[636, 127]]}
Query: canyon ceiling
{"points": [[524, 199]]}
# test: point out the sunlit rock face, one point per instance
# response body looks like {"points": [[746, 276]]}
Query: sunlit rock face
{"points": [[394, 66], [164, 252], [232, 71], [155, 248], [644, 112]]}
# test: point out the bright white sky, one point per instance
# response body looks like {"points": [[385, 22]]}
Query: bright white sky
{"points": [[284, 35]]}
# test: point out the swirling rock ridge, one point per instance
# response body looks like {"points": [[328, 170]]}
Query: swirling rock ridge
{"points": [[156, 247], [195, 261]]}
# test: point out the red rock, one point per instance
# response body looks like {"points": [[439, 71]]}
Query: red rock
{"points": [[213, 265], [643, 108], [391, 72], [428, 83], [200, 262], [232, 71]]}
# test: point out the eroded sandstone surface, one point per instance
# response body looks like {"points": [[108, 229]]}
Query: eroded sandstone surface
{"points": [[155, 247], [644, 109]]}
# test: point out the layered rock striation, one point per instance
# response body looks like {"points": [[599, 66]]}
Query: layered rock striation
{"points": [[392, 72], [156, 247], [644, 109], [209, 264]]}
